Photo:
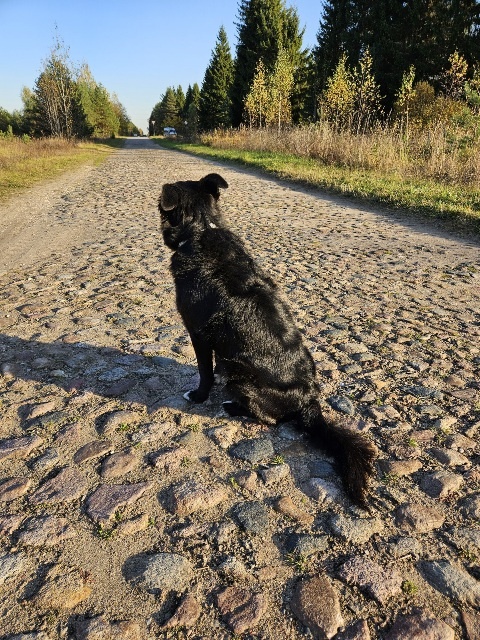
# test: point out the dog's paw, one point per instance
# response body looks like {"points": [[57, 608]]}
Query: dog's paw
{"points": [[234, 409], [195, 396]]}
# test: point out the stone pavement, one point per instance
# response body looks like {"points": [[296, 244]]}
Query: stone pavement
{"points": [[126, 512]]}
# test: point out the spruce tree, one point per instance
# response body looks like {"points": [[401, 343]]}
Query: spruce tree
{"points": [[215, 93]]}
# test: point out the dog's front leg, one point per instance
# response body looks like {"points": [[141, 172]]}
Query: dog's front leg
{"points": [[205, 368]]}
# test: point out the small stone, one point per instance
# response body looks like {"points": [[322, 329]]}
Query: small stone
{"points": [[241, 609], [470, 506], [9, 524], [159, 573], [233, 568], [133, 525], [419, 518], [441, 483], [419, 625], [119, 464], [400, 468], [33, 635], [304, 544], [254, 451], [120, 418], [452, 581], [170, 459], [342, 404], [68, 485], [315, 603], [459, 441], [62, 590], [471, 620], [252, 516], [108, 498], [11, 564], [285, 505], [246, 479], [406, 546], [273, 475], [454, 381], [322, 490], [151, 433], [191, 496], [19, 447], [375, 580], [99, 629], [47, 461], [14, 488], [450, 458], [465, 539], [186, 615], [356, 530], [92, 450], [46, 531], [40, 410], [224, 436], [357, 631]]}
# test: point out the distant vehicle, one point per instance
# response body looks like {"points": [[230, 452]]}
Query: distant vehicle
{"points": [[169, 132]]}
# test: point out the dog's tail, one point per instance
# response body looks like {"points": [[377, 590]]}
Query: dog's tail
{"points": [[353, 454]]}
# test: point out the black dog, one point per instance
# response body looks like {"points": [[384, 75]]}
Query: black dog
{"points": [[233, 310]]}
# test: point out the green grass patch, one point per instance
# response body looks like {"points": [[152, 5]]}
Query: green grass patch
{"points": [[23, 164], [457, 205]]}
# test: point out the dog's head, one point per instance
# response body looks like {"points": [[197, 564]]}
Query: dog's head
{"points": [[186, 206]]}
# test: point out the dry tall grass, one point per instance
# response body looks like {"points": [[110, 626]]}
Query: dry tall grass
{"points": [[14, 150], [446, 155]]}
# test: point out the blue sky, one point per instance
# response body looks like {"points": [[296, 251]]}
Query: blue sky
{"points": [[135, 49]]}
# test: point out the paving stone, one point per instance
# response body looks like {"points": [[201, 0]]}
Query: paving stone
{"points": [[117, 419], [378, 582], [471, 620], [234, 569], [133, 525], [254, 451], [342, 404], [357, 631], [241, 608], [450, 458], [45, 531], [99, 629], [420, 625], [452, 581], [315, 603], [191, 496], [159, 573], [46, 461], [252, 516], [400, 468], [62, 589], [19, 448], [441, 483], [285, 505], [274, 475], [33, 635], [465, 539], [186, 615], [13, 488], [10, 523], [224, 436], [246, 479], [11, 565], [119, 464], [40, 409], [68, 485], [92, 450], [305, 544], [355, 530], [169, 459], [419, 518], [322, 490], [470, 506], [108, 498]]}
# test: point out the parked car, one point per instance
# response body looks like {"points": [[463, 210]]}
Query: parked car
{"points": [[169, 132]]}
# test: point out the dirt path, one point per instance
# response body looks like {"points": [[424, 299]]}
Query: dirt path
{"points": [[117, 498]]}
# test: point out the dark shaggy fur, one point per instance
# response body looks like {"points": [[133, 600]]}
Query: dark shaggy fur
{"points": [[233, 312]]}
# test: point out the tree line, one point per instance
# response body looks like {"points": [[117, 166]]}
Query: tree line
{"points": [[371, 60], [67, 103]]}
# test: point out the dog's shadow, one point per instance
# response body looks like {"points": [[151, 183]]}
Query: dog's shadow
{"points": [[107, 372]]}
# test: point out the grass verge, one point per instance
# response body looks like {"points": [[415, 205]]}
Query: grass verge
{"points": [[457, 206], [23, 164]]}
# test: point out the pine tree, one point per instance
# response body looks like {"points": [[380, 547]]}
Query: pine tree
{"points": [[215, 93]]}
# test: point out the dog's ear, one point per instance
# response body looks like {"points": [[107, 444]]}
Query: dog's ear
{"points": [[212, 184], [169, 198]]}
